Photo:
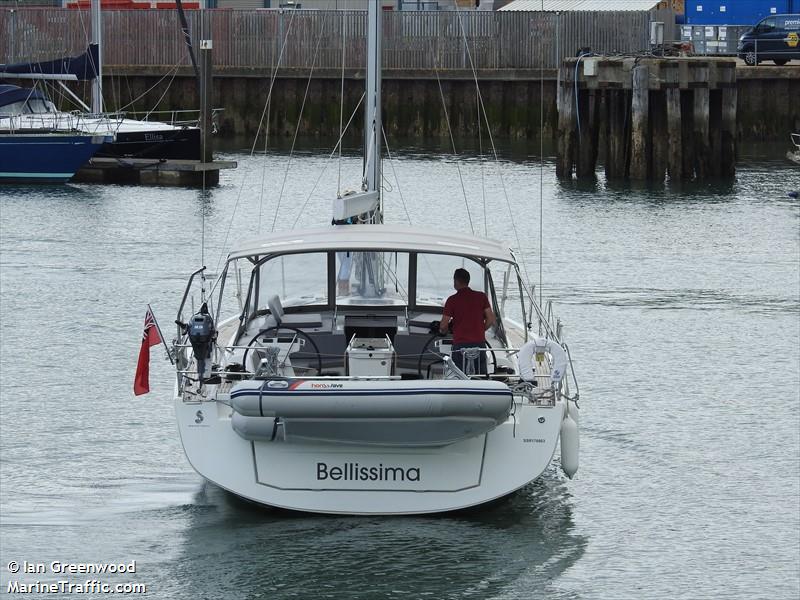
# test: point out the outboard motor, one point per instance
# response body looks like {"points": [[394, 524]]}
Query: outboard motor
{"points": [[202, 334]]}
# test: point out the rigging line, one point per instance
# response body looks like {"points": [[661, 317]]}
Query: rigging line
{"points": [[173, 70], [480, 160], [494, 149], [272, 83], [397, 181], [174, 73], [330, 156], [297, 127], [267, 111], [341, 111], [541, 161], [453, 143], [203, 192], [399, 191], [263, 169]]}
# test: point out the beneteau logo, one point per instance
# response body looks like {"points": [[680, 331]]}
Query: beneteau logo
{"points": [[356, 472]]}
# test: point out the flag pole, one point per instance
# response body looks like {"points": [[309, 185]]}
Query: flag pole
{"points": [[161, 335]]}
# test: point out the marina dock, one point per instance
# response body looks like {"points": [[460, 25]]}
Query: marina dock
{"points": [[152, 171]]}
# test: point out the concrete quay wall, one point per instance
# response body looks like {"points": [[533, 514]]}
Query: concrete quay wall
{"points": [[768, 107]]}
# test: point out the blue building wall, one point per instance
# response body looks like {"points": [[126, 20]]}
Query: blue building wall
{"points": [[735, 12]]}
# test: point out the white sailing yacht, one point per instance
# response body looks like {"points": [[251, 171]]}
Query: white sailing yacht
{"points": [[315, 379]]}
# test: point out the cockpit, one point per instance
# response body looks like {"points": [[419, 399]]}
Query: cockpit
{"points": [[360, 307]]}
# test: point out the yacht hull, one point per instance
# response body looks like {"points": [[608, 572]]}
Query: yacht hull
{"points": [[44, 158], [339, 478], [167, 144]]}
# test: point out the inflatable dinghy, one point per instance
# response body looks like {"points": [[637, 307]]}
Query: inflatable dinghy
{"points": [[368, 412]]}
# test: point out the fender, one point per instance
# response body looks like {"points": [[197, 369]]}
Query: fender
{"points": [[526, 355]]}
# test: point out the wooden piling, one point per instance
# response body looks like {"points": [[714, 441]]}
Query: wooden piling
{"points": [[714, 132], [617, 139], [675, 153], [687, 133], [588, 135], [640, 133], [566, 125], [658, 116], [659, 139], [702, 144], [672, 95], [727, 81]]}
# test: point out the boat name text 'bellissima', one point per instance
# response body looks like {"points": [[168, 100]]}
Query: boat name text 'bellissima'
{"points": [[355, 472]]}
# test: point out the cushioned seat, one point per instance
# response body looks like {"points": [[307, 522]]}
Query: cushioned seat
{"points": [[298, 320]]}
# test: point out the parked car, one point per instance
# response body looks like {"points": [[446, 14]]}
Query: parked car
{"points": [[775, 38]]}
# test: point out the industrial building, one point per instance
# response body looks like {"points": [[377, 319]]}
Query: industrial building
{"points": [[579, 5], [735, 12]]}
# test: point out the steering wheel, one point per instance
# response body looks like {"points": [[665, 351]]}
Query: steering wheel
{"points": [[297, 331], [430, 341]]}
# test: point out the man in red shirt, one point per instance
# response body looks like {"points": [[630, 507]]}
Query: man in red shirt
{"points": [[471, 315]]}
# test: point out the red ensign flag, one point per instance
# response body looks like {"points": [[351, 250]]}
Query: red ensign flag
{"points": [[150, 337]]}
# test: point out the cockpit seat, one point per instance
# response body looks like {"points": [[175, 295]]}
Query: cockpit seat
{"points": [[298, 320]]}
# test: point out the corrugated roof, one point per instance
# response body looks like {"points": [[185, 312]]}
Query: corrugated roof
{"points": [[579, 5]]}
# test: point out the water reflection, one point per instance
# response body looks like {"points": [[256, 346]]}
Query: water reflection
{"points": [[650, 192], [471, 554]]}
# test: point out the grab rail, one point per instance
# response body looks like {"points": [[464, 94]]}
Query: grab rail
{"points": [[186, 294]]}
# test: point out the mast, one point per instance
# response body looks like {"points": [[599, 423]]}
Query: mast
{"points": [[366, 206], [97, 38], [372, 125]]}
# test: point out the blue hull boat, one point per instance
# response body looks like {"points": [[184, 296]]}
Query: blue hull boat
{"points": [[45, 157]]}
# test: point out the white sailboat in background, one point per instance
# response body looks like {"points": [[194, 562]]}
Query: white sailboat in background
{"points": [[323, 388]]}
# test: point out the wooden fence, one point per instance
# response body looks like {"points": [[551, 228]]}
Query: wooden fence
{"points": [[253, 39]]}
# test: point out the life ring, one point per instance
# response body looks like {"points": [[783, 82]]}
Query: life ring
{"points": [[527, 354]]}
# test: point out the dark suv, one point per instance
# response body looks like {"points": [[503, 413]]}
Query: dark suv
{"points": [[775, 38]]}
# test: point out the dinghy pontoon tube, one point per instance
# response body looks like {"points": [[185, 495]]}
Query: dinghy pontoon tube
{"points": [[368, 412]]}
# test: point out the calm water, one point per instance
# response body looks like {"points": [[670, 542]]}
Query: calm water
{"points": [[682, 309]]}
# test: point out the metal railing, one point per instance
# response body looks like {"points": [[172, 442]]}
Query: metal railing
{"points": [[61, 122], [189, 117], [253, 39]]}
